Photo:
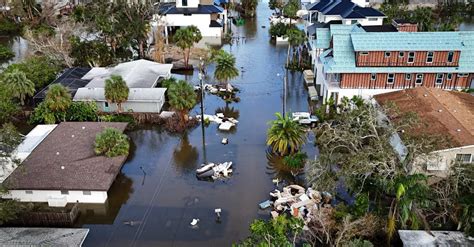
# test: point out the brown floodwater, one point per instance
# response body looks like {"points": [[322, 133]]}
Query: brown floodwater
{"points": [[157, 194]]}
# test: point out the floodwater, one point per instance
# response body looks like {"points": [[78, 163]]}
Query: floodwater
{"points": [[157, 194], [19, 47]]}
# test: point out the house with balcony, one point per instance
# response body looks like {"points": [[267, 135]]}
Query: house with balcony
{"points": [[207, 15], [356, 62]]}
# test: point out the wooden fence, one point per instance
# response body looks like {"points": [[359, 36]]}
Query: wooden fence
{"points": [[56, 219]]}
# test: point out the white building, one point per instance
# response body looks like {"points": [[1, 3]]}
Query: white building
{"points": [[141, 76], [204, 14], [447, 114], [63, 167]]}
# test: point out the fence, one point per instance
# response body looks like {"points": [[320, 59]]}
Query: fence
{"points": [[57, 219]]}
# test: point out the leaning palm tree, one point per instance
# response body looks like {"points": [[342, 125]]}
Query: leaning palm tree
{"points": [[116, 91], [185, 39], [182, 99], [58, 98], [285, 135], [225, 67], [295, 38], [20, 86]]}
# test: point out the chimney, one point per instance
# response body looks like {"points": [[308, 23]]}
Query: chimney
{"points": [[403, 25]]}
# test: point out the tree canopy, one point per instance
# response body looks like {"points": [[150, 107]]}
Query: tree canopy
{"points": [[225, 67], [20, 86], [185, 39], [116, 91], [285, 135], [182, 98], [111, 143]]}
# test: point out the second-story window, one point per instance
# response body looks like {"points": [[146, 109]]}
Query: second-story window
{"points": [[390, 78], [387, 54], [408, 77], [450, 57], [439, 78], [365, 53], [411, 57], [449, 76], [419, 79], [373, 76], [184, 2], [401, 54], [429, 57]]}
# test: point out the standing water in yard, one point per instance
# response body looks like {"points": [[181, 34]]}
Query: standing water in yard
{"points": [[157, 196]]}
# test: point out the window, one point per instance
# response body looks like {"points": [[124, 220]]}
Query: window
{"points": [[419, 79], [450, 57], [387, 54], [439, 78], [353, 21], [408, 77], [373, 19], [464, 158], [401, 54], [86, 192], [373, 76], [184, 2], [429, 57], [390, 78], [364, 53], [449, 76], [462, 75], [29, 192], [64, 192], [106, 104], [411, 57]]}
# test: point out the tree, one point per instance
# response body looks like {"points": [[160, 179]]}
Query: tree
{"points": [[39, 69], [116, 91], [281, 231], [295, 38], [5, 53], [185, 38], [285, 135], [58, 98], [20, 86], [423, 16], [94, 53], [111, 143], [8, 107], [225, 67], [249, 7], [182, 99], [290, 9], [276, 5]]}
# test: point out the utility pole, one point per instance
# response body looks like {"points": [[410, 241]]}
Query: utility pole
{"points": [[284, 91], [201, 81]]}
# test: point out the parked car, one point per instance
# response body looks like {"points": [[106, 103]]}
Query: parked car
{"points": [[304, 118]]}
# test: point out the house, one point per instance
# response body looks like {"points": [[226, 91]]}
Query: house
{"points": [[142, 78], [206, 15], [71, 78], [417, 238], [20, 236], [347, 11], [352, 61], [443, 114], [63, 168]]}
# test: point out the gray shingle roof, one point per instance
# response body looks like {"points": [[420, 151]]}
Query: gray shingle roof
{"points": [[134, 95], [70, 144], [60, 237]]}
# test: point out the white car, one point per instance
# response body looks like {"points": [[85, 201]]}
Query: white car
{"points": [[304, 118]]}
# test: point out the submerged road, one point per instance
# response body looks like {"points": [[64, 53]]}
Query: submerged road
{"points": [[156, 196]]}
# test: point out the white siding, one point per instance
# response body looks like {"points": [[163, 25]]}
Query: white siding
{"points": [[201, 21], [191, 3], [44, 195], [131, 106]]}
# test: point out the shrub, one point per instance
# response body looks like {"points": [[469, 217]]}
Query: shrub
{"points": [[82, 111], [295, 161], [118, 118], [111, 143], [279, 29], [9, 27], [42, 114], [38, 69], [8, 107], [5, 53]]}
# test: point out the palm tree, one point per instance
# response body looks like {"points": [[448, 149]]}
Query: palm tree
{"points": [[19, 85], [424, 17], [295, 37], [185, 38], [58, 98], [285, 135], [182, 99], [116, 91], [225, 67]]}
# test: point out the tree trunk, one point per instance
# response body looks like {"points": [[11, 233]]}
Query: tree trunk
{"points": [[140, 47], [119, 107], [288, 56]]}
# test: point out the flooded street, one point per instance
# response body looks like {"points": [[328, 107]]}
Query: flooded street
{"points": [[157, 195]]}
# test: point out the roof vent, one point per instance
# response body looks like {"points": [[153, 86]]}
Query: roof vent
{"points": [[83, 127], [72, 136], [458, 130], [440, 110], [62, 167], [57, 153], [426, 95]]}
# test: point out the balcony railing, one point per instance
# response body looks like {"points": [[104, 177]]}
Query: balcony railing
{"points": [[406, 64]]}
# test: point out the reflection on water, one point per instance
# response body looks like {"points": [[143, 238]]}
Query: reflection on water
{"points": [[185, 155], [18, 45], [229, 111], [467, 26]]}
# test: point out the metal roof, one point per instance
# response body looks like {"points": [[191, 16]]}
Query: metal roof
{"points": [[135, 94], [342, 59], [137, 74], [344, 8], [407, 41], [201, 9], [323, 38], [70, 78]]}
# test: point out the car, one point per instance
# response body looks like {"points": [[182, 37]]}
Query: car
{"points": [[304, 118]]}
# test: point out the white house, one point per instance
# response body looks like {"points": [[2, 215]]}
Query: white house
{"points": [[142, 78], [204, 14], [63, 167], [448, 114]]}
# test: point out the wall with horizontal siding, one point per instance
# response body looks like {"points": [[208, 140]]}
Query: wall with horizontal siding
{"points": [[378, 59], [363, 81]]}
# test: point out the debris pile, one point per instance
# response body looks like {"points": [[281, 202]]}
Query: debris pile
{"points": [[297, 201], [225, 123], [215, 89], [214, 171]]}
